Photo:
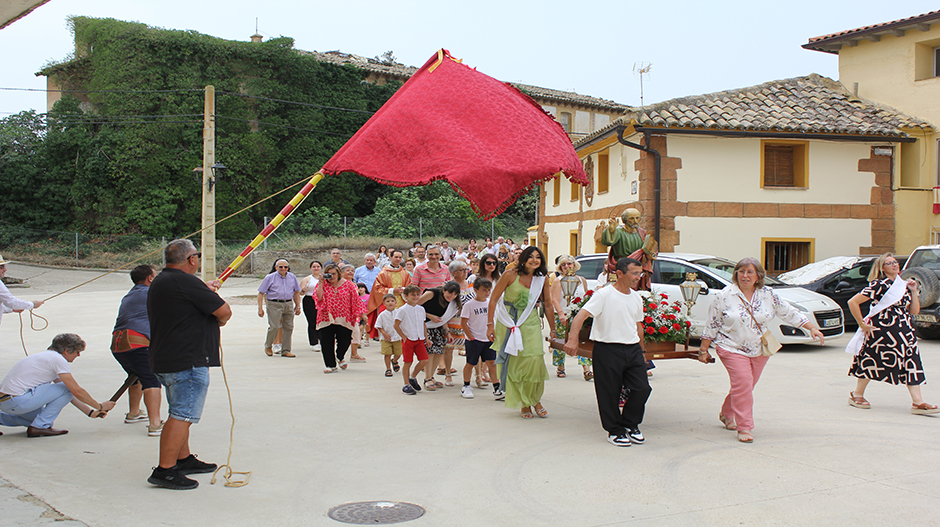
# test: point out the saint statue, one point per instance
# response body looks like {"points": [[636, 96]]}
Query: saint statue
{"points": [[629, 240]]}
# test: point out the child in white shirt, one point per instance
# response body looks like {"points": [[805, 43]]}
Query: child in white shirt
{"points": [[390, 339], [409, 324], [473, 319]]}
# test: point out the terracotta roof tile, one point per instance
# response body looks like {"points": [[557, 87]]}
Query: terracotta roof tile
{"points": [[811, 104], [832, 42]]}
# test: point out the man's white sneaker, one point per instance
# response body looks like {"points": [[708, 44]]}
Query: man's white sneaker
{"points": [[618, 440], [466, 392]]}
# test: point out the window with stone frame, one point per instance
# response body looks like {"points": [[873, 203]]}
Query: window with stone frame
{"points": [[936, 62], [556, 191], [783, 164], [782, 255], [564, 118]]}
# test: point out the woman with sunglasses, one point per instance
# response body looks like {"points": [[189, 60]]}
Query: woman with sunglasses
{"points": [[514, 327], [338, 310], [889, 349]]}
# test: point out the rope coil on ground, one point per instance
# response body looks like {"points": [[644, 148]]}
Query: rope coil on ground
{"points": [[231, 435]]}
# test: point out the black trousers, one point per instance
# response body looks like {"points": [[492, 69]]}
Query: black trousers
{"points": [[619, 366], [310, 311], [334, 341]]}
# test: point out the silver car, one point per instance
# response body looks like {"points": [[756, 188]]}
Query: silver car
{"points": [[714, 274]]}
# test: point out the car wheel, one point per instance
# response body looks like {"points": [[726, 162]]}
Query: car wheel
{"points": [[931, 333], [927, 283]]}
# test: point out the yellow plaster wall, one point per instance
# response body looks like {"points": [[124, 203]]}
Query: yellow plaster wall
{"points": [[621, 174], [886, 72], [914, 216], [735, 238], [896, 71], [712, 166]]}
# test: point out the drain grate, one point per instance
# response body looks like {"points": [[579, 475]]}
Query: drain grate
{"points": [[376, 512]]}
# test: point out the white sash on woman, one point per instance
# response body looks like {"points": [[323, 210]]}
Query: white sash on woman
{"points": [[891, 297], [514, 339], [448, 314]]}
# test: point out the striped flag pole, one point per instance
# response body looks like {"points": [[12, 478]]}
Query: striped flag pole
{"points": [[272, 226]]}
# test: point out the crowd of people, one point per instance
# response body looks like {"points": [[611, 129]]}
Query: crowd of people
{"points": [[482, 302]]}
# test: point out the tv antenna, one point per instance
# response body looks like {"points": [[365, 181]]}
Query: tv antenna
{"points": [[640, 69]]}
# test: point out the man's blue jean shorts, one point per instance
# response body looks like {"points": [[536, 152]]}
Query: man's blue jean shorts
{"points": [[186, 393]]}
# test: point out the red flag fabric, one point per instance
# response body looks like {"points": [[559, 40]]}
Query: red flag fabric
{"points": [[490, 141]]}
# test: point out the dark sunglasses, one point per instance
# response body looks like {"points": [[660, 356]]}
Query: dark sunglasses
{"points": [[197, 255]]}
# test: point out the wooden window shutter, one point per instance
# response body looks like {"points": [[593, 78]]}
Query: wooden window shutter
{"points": [[778, 166]]}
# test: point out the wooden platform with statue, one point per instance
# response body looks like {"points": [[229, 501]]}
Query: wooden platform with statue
{"points": [[666, 329]]}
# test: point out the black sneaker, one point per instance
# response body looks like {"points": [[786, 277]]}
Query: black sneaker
{"points": [[170, 478], [636, 436], [408, 390], [618, 440], [191, 465], [414, 384]]}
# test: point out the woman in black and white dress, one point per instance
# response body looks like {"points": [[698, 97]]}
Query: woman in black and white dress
{"points": [[889, 352]]}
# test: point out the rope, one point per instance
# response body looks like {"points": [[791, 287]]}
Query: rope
{"points": [[125, 266], [32, 326], [231, 438]]}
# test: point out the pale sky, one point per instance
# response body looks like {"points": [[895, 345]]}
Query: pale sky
{"points": [[589, 47]]}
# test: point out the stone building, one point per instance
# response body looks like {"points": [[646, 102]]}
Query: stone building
{"points": [[792, 171]]}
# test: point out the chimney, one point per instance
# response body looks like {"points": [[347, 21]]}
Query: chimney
{"points": [[256, 38]]}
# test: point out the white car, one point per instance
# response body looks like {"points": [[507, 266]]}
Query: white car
{"points": [[714, 274]]}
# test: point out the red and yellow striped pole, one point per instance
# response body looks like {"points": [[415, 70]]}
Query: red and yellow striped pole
{"points": [[272, 226]]}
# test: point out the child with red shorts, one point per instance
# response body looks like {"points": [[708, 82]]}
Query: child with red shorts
{"points": [[409, 323]]}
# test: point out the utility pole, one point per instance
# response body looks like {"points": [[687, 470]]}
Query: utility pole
{"points": [[208, 187]]}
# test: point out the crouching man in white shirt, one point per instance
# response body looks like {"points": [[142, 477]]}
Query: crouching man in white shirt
{"points": [[39, 386]]}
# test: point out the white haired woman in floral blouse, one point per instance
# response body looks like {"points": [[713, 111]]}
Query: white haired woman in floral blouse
{"points": [[736, 320]]}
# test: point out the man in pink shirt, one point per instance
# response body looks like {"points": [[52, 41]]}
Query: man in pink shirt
{"points": [[431, 274]]}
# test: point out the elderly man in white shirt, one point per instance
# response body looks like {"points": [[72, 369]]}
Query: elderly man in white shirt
{"points": [[39, 386], [8, 302]]}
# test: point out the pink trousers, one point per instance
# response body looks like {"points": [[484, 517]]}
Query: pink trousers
{"points": [[744, 373]]}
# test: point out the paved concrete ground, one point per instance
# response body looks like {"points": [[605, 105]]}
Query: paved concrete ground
{"points": [[314, 441]]}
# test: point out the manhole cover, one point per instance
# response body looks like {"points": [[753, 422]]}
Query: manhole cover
{"points": [[376, 512]]}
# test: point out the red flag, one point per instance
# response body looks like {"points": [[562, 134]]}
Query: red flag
{"points": [[490, 141]]}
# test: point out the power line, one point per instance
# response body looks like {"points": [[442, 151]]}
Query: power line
{"points": [[128, 122], [96, 116], [295, 102], [102, 91], [282, 126], [218, 92]]}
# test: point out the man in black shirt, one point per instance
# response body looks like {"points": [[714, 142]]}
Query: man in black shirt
{"points": [[185, 316]]}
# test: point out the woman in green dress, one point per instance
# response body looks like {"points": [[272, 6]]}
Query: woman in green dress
{"points": [[516, 331]]}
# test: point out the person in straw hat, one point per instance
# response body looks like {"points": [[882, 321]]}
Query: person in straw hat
{"points": [[8, 302], [561, 299]]}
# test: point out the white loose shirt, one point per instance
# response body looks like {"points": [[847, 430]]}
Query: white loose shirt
{"points": [[386, 322], [412, 321], [615, 315], [731, 327], [475, 312], [39, 368], [8, 302]]}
